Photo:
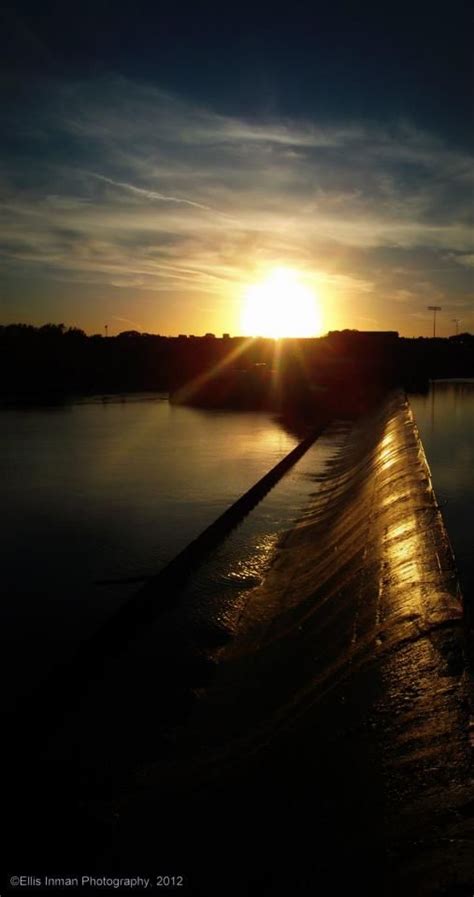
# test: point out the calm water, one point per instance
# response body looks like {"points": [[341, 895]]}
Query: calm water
{"points": [[445, 419], [99, 490], [113, 490]]}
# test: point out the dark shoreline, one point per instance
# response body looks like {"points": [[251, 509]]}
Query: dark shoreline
{"points": [[52, 365]]}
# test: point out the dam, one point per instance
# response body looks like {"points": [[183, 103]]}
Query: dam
{"points": [[320, 734]]}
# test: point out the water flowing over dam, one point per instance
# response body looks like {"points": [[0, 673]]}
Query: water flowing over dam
{"points": [[324, 732]]}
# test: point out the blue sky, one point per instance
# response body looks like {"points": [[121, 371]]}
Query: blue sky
{"points": [[157, 164]]}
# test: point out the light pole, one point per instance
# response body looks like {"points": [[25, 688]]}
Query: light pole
{"points": [[456, 321], [106, 329], [434, 309]]}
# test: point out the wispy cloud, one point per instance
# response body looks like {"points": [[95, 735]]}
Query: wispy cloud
{"points": [[124, 185], [466, 260], [127, 321]]}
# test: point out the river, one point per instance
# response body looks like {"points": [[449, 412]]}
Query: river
{"points": [[113, 489]]}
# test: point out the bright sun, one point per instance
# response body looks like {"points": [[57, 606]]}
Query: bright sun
{"points": [[280, 306]]}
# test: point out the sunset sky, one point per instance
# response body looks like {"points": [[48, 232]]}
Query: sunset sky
{"points": [[160, 163]]}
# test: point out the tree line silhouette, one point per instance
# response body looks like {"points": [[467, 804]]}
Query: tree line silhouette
{"points": [[54, 362]]}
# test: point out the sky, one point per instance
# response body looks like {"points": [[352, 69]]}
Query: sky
{"points": [[158, 164]]}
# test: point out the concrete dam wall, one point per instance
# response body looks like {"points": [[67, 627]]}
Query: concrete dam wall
{"points": [[330, 740]]}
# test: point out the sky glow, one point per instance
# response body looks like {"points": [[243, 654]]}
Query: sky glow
{"points": [[138, 199]]}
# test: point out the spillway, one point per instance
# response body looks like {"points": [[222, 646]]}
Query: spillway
{"points": [[332, 735]]}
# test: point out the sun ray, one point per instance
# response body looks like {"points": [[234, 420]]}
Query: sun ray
{"points": [[186, 392]]}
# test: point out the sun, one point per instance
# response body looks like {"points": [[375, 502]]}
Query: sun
{"points": [[280, 306]]}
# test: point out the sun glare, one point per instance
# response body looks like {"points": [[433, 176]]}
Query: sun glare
{"points": [[280, 306]]}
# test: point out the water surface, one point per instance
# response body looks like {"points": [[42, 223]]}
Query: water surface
{"points": [[115, 489], [445, 419]]}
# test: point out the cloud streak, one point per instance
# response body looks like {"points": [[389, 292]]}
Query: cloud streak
{"points": [[150, 194]]}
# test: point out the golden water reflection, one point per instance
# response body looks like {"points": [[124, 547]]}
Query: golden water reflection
{"points": [[407, 557]]}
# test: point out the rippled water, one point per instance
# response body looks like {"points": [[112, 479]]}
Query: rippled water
{"points": [[242, 560], [445, 419]]}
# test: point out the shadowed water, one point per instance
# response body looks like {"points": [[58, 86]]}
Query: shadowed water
{"points": [[445, 419]]}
